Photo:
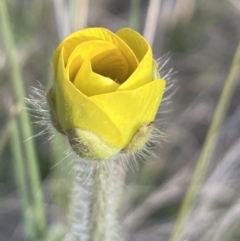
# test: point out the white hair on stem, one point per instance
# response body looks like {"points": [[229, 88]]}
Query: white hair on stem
{"points": [[40, 111]]}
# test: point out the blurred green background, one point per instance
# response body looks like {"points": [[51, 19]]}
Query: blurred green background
{"points": [[198, 39]]}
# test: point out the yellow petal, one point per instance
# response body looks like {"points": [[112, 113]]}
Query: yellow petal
{"points": [[130, 110], [135, 41], [95, 34], [106, 60], [143, 74], [91, 83], [75, 110], [69, 44]]}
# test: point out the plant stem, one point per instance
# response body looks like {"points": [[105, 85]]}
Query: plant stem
{"points": [[151, 22], [209, 145], [79, 14], [97, 191], [134, 14], [103, 204], [24, 119], [62, 18], [21, 182]]}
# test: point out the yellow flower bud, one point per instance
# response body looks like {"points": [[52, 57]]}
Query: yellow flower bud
{"points": [[106, 91]]}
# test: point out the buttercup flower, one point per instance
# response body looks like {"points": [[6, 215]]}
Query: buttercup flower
{"points": [[106, 92]]}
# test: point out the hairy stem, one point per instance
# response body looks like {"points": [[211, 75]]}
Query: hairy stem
{"points": [[96, 198]]}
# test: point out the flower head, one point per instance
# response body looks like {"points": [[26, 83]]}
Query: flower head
{"points": [[106, 91]]}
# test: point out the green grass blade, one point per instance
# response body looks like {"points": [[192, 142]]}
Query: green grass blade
{"points": [[20, 175], [208, 146], [135, 9], [24, 118]]}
